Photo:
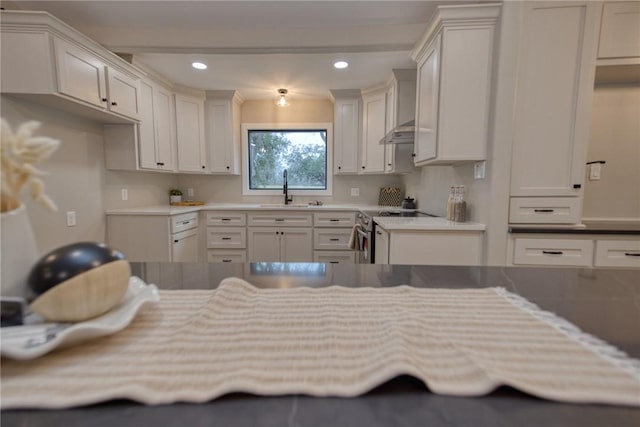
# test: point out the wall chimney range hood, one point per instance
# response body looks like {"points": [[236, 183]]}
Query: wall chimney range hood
{"points": [[401, 134]]}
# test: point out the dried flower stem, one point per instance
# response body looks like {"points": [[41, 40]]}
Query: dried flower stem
{"points": [[19, 151]]}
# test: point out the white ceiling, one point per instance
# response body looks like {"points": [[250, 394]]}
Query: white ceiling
{"points": [[255, 47]]}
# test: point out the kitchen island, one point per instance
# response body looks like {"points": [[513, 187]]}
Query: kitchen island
{"points": [[600, 302]]}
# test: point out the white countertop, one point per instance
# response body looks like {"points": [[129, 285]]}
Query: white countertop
{"points": [[394, 223], [175, 210]]}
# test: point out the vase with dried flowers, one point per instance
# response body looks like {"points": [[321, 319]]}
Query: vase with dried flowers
{"points": [[19, 151]]}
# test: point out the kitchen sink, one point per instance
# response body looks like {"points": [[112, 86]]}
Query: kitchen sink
{"points": [[282, 205]]}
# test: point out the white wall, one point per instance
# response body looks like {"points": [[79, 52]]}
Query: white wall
{"points": [[615, 138], [75, 175]]}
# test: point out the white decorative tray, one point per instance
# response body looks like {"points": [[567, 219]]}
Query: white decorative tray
{"points": [[35, 339]]}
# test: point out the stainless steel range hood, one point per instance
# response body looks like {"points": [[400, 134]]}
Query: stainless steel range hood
{"points": [[402, 134]]}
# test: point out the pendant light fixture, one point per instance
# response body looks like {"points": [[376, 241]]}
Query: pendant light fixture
{"points": [[281, 98]]}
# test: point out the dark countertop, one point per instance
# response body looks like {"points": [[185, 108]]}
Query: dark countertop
{"points": [[605, 303], [589, 227]]}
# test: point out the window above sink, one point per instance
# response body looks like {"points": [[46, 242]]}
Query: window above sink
{"points": [[303, 149]]}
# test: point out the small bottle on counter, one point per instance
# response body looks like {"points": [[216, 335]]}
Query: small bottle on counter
{"points": [[450, 202], [460, 206]]}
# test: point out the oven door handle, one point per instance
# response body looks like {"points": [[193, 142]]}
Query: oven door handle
{"points": [[363, 234]]}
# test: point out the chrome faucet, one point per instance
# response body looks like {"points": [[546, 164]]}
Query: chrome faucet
{"points": [[285, 189]]}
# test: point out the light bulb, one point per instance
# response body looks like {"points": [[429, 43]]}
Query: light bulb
{"points": [[281, 98], [199, 65], [341, 64]]}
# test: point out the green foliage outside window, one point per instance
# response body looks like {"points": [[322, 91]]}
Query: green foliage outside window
{"points": [[302, 152]]}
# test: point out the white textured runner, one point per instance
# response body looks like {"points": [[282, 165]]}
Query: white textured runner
{"points": [[197, 345]]}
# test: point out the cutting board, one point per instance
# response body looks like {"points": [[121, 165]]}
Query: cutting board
{"points": [[187, 204]]}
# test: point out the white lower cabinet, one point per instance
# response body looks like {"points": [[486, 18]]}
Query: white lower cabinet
{"points": [[273, 244], [571, 250], [334, 257], [331, 235], [382, 246], [226, 236], [617, 253], [155, 238], [564, 252], [222, 255]]}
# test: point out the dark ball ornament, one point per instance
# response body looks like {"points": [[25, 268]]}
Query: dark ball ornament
{"points": [[78, 281]]}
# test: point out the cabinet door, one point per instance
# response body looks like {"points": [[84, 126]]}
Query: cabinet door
{"points": [[164, 120], [382, 246], [263, 244], [373, 117], [147, 138], [554, 90], [427, 105], [80, 75], [620, 33], [390, 123], [220, 136], [185, 246], [124, 93], [156, 142], [295, 245], [346, 135], [190, 134]]}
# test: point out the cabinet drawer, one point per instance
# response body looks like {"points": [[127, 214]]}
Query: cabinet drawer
{"points": [[225, 218], [228, 237], [222, 255], [544, 210], [334, 219], [277, 219], [331, 238], [184, 222], [185, 246], [553, 252], [617, 253], [334, 257]]}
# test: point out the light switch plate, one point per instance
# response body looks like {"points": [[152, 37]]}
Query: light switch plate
{"points": [[594, 171], [125, 194], [479, 170], [355, 192]]}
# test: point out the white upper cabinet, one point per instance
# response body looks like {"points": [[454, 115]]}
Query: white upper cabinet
{"points": [[454, 60], [190, 139], [620, 31], [400, 108], [346, 131], [553, 98], [222, 125], [53, 64], [373, 130], [157, 147]]}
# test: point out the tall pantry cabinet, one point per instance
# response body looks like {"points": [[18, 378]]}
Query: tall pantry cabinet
{"points": [[558, 44]]}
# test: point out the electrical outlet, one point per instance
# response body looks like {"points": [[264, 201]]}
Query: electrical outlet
{"points": [[125, 194], [355, 192], [189, 192], [479, 170], [71, 218], [594, 171]]}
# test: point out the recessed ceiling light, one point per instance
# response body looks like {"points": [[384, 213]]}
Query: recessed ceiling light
{"points": [[199, 65], [341, 64]]}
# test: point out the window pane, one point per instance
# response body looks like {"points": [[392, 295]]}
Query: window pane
{"points": [[303, 153]]}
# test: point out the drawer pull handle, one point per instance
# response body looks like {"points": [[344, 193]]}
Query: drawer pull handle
{"points": [[226, 260], [378, 233], [632, 253], [279, 219], [226, 238], [334, 220], [186, 222], [176, 241], [334, 240], [225, 219], [334, 262], [552, 252], [543, 210]]}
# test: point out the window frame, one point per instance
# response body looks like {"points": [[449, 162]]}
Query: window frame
{"points": [[246, 127]]}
